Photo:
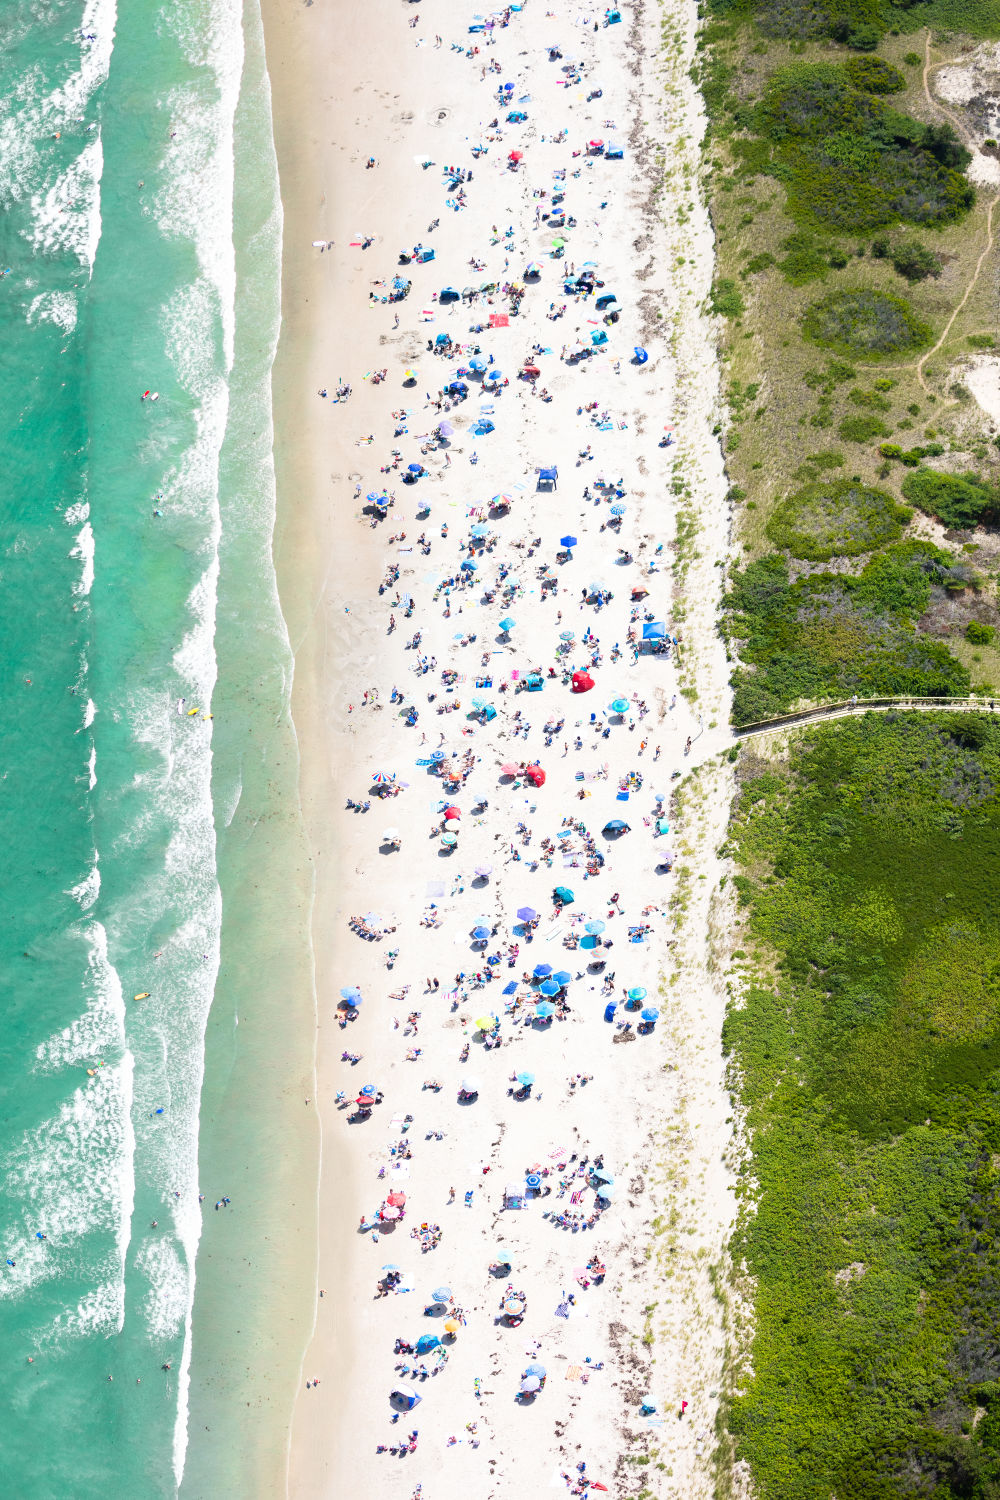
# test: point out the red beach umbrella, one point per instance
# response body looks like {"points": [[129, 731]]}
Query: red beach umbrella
{"points": [[453, 812], [510, 769], [582, 682], [396, 1198]]}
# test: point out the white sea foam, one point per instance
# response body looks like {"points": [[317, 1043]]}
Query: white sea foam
{"points": [[66, 213], [67, 1178], [165, 1305], [77, 512], [84, 550], [89, 888], [53, 307], [89, 713], [101, 1311]]}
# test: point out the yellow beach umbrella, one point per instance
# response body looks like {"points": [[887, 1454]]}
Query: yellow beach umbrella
{"points": [[486, 1023]]}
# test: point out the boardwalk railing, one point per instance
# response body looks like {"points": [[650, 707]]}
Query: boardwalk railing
{"points": [[863, 705]]}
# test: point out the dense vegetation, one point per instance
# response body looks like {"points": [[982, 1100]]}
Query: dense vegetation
{"points": [[848, 159], [828, 636], [864, 324], [836, 518], [862, 23], [961, 501], [869, 1072]]}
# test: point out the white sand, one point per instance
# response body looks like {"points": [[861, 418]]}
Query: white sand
{"points": [[655, 1107]]}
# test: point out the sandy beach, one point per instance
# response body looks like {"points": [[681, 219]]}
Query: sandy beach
{"points": [[595, 1194]]}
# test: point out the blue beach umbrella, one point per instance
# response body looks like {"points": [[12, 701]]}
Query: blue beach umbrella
{"points": [[437, 755], [542, 971], [533, 1180], [545, 1010], [549, 987], [564, 895], [618, 510], [493, 377], [562, 978], [480, 530], [414, 468], [650, 1013], [441, 1294], [524, 1079], [507, 623], [567, 541], [481, 934], [615, 825], [351, 994], [619, 706], [477, 363], [638, 993], [595, 927], [537, 1370], [383, 778], [527, 914]]}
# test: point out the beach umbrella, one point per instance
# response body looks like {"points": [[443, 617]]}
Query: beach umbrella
{"points": [[441, 1294], [618, 510], [533, 268], [397, 1198], [445, 429], [501, 1257], [564, 895], [406, 1399], [486, 1023], [530, 1384], [562, 978], [437, 755], [507, 623], [549, 987], [449, 840], [535, 775], [452, 825], [479, 530], [451, 1326], [477, 363], [601, 1174], [527, 914], [524, 1080], [469, 1085], [597, 588], [510, 769], [558, 244], [391, 836], [532, 1180], [451, 811], [414, 468], [619, 706], [650, 1013], [409, 375], [514, 1306], [545, 1009], [582, 682], [568, 635], [614, 825], [542, 971], [392, 1267], [493, 376], [536, 1369], [482, 871], [383, 778], [502, 500], [638, 993], [596, 926], [426, 1342], [388, 1212], [481, 934], [368, 1088], [567, 541], [351, 994]]}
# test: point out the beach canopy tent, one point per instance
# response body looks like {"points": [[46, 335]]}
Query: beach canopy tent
{"points": [[567, 542], [595, 926], [598, 336], [535, 775], [654, 631], [404, 1400], [507, 624], [548, 477], [446, 295], [426, 1342], [513, 1195], [582, 682], [640, 355]]}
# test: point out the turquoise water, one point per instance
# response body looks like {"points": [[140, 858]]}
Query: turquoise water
{"points": [[125, 522]]}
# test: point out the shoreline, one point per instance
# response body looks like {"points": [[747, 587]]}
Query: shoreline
{"points": [[329, 571]]}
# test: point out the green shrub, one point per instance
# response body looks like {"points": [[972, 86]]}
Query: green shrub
{"points": [[873, 75], [827, 636], [914, 261], [851, 162], [865, 37], [829, 458], [805, 258], [726, 300], [870, 400], [960, 501], [913, 60], [836, 518], [865, 323], [981, 340], [761, 262], [861, 429], [979, 634]]}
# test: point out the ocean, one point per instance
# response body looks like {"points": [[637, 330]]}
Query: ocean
{"points": [[148, 767]]}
